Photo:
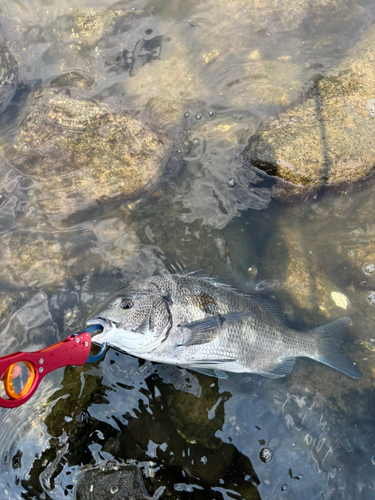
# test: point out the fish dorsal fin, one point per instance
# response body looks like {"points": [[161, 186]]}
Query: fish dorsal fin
{"points": [[207, 329], [283, 368], [271, 307]]}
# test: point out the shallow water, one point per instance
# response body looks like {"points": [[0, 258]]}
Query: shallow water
{"points": [[201, 77]]}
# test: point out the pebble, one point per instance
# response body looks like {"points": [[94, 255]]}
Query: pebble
{"points": [[368, 267], [266, 455], [371, 298]]}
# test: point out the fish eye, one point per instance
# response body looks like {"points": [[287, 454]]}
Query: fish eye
{"points": [[126, 304]]}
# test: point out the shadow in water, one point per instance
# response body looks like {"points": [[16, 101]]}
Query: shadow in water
{"points": [[169, 433]]}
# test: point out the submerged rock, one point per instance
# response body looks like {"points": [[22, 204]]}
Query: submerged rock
{"points": [[112, 481], [8, 77], [322, 258], [302, 283], [31, 259], [83, 152], [90, 23], [326, 139], [164, 86]]}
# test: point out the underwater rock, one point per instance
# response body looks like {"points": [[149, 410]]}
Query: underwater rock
{"points": [[278, 15], [326, 139], [83, 152], [112, 482], [43, 259], [31, 259], [323, 258], [238, 44], [8, 77], [10, 301], [90, 23], [164, 86], [69, 43], [302, 282]]}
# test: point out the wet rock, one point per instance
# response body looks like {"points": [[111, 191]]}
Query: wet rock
{"points": [[83, 152], [326, 139], [8, 77], [111, 482]]}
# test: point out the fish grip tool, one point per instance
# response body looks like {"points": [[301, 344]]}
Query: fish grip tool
{"points": [[74, 350]]}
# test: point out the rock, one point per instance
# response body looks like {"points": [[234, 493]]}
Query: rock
{"points": [[326, 139], [83, 152], [112, 482], [8, 77]]}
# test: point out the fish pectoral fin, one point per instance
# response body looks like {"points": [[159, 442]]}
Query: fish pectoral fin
{"points": [[206, 363], [285, 367], [210, 372], [206, 330]]}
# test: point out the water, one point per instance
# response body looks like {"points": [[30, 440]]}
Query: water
{"points": [[78, 223]]}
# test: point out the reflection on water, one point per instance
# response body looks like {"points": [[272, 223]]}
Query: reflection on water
{"points": [[121, 131]]}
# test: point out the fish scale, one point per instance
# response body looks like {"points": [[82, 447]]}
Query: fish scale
{"points": [[198, 323]]}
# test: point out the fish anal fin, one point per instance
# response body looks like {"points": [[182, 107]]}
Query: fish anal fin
{"points": [[206, 330], [285, 367], [210, 372]]}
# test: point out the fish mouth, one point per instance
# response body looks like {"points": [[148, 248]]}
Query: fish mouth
{"points": [[107, 324]]}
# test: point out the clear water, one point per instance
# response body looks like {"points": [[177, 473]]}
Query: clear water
{"points": [[212, 73]]}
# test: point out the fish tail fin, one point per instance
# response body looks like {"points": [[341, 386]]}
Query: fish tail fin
{"points": [[329, 338]]}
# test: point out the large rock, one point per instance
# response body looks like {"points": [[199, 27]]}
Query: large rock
{"points": [[326, 139], [82, 151]]}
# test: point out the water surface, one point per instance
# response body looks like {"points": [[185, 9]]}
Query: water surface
{"points": [[200, 77]]}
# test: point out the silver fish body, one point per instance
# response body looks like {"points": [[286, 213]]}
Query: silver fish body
{"points": [[197, 323]]}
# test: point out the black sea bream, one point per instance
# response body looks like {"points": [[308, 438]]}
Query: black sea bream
{"points": [[197, 323]]}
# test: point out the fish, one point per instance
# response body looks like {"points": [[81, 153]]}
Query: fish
{"points": [[196, 322]]}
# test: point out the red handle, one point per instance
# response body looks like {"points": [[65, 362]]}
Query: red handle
{"points": [[74, 350]]}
